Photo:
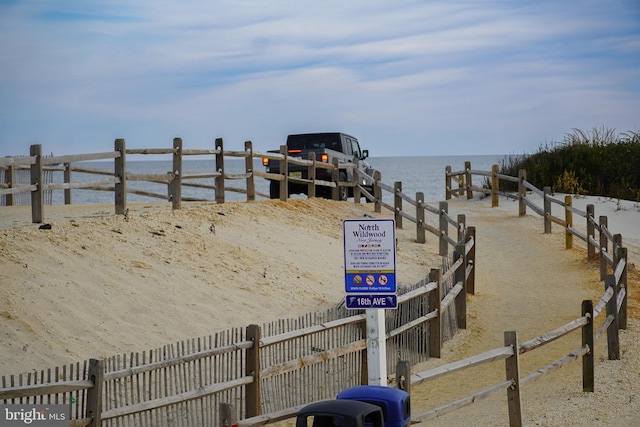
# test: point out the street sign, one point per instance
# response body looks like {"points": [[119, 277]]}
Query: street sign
{"points": [[357, 301], [370, 258], [370, 283]]}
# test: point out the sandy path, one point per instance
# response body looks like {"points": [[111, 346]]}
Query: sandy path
{"points": [[526, 281]]}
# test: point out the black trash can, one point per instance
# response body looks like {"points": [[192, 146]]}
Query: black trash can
{"points": [[340, 413]]}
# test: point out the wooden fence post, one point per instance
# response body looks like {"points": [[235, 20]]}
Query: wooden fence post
{"points": [[252, 403], [444, 228], [467, 179], [447, 183], [358, 180], [9, 179], [397, 203], [420, 234], [248, 168], [435, 324], [377, 192], [604, 246], [522, 192], [621, 256], [613, 342], [512, 366], [591, 232], [568, 219], [37, 195], [588, 375], [284, 170], [94, 394], [335, 177], [67, 180], [495, 186], [462, 227], [120, 188], [547, 210], [226, 415], [460, 276], [403, 375], [175, 194], [219, 146], [311, 175], [471, 260]]}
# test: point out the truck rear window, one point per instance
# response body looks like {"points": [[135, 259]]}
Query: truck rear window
{"points": [[305, 142]]}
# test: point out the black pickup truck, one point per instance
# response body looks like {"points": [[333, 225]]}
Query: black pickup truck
{"points": [[327, 147]]}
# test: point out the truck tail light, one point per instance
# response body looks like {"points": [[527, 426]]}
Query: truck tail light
{"points": [[324, 158], [265, 161], [295, 151]]}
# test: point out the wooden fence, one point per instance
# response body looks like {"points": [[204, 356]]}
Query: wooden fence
{"points": [[170, 385], [41, 168], [264, 371]]}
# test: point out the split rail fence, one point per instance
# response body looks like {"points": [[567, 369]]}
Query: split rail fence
{"points": [[262, 375], [261, 371]]}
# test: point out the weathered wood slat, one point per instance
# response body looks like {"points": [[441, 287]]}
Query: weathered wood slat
{"points": [[157, 178], [412, 324], [91, 171], [452, 269], [44, 389], [479, 359], [194, 175], [552, 335], [461, 403], [198, 152], [149, 150], [301, 362], [175, 398], [451, 296], [237, 175], [574, 355], [17, 161], [311, 329], [608, 293], [18, 189], [581, 236], [80, 185], [556, 220], [80, 157], [177, 360]]}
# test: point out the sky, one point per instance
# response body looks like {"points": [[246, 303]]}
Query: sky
{"points": [[405, 77]]}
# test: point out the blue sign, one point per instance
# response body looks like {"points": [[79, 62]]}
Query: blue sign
{"points": [[370, 262], [371, 301], [378, 282]]}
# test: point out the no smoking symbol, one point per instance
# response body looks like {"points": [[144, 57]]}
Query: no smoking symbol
{"points": [[371, 280]]}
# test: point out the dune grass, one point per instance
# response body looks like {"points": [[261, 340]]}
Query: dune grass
{"points": [[599, 162]]}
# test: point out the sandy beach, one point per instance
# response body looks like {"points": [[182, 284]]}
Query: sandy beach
{"points": [[97, 284]]}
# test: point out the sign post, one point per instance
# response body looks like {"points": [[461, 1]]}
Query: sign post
{"points": [[370, 283]]}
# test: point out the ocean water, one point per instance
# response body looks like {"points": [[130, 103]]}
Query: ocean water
{"points": [[417, 174]]}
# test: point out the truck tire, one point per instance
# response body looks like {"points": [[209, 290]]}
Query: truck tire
{"points": [[343, 192], [274, 189]]}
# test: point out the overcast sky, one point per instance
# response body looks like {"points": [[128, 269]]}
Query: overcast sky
{"points": [[405, 77]]}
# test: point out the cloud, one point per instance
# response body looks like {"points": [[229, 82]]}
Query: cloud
{"points": [[437, 77]]}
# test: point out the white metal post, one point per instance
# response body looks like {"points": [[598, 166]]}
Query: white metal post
{"points": [[376, 347]]}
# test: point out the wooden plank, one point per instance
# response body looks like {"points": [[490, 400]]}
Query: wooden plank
{"points": [[302, 362], [461, 403], [44, 389], [553, 335], [554, 365], [512, 366], [149, 151], [80, 157], [469, 362]]}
